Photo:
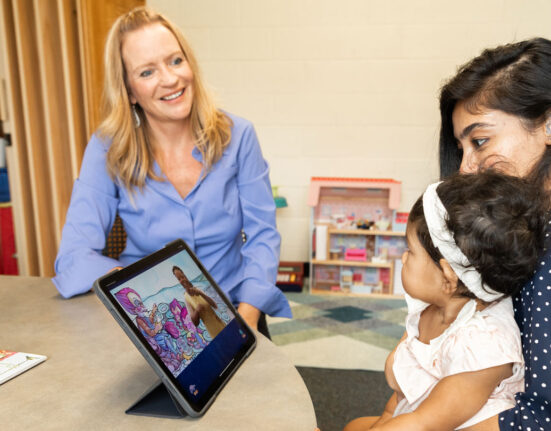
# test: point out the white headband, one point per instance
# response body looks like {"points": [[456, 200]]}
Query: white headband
{"points": [[436, 216]]}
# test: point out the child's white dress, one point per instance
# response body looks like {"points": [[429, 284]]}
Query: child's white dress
{"points": [[474, 341]]}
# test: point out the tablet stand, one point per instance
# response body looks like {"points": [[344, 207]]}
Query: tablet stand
{"points": [[158, 402]]}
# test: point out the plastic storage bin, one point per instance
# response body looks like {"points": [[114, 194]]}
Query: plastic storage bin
{"points": [[4, 186]]}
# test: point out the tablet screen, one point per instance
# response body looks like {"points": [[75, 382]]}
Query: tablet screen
{"points": [[175, 306]]}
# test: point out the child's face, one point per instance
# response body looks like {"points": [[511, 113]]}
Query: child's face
{"points": [[421, 277]]}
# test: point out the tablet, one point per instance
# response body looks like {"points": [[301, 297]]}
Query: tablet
{"points": [[181, 322]]}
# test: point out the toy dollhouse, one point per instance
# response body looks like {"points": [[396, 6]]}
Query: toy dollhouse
{"points": [[357, 235]]}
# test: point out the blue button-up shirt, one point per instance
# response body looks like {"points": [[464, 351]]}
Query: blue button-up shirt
{"points": [[234, 195]]}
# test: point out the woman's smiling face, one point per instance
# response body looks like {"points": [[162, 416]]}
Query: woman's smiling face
{"points": [[493, 138], [158, 75]]}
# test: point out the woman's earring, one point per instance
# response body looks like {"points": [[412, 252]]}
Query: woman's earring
{"points": [[137, 120]]}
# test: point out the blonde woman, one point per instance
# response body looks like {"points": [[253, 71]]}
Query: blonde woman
{"points": [[171, 165]]}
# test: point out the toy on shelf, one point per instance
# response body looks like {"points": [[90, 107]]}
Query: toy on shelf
{"points": [[364, 224], [367, 288], [353, 234], [359, 254], [335, 253], [382, 224], [346, 280], [280, 201], [400, 221], [290, 276]]}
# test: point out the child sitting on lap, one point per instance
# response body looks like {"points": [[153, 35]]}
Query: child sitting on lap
{"points": [[473, 241]]}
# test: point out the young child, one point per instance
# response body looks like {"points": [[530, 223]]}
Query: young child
{"points": [[473, 241]]}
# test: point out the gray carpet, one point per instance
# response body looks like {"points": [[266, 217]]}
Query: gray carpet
{"points": [[342, 395], [366, 330]]}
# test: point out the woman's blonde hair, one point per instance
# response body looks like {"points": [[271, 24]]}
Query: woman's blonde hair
{"points": [[129, 157]]}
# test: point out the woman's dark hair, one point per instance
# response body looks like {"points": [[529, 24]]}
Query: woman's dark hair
{"points": [[186, 282], [513, 78], [498, 221], [177, 268]]}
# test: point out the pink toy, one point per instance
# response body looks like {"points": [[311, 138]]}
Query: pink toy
{"points": [[355, 254]]}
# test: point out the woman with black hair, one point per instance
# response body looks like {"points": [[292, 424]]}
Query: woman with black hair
{"points": [[496, 112]]}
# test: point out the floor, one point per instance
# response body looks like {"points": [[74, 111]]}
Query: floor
{"points": [[339, 396], [339, 331]]}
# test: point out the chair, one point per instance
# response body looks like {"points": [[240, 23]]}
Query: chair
{"points": [[116, 240]]}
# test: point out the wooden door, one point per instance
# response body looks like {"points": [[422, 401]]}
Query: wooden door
{"points": [[53, 52]]}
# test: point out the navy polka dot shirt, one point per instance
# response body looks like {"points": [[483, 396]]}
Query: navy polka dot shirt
{"points": [[533, 314]]}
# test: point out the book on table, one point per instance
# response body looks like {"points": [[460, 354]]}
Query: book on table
{"points": [[14, 363]]}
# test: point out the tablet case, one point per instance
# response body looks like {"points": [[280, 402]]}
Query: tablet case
{"points": [[164, 399], [158, 402]]}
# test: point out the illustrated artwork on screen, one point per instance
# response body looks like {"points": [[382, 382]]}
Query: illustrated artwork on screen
{"points": [[178, 323]]}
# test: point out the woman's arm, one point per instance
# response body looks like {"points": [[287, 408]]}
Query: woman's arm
{"points": [[207, 298], [260, 251], [250, 314], [453, 401], [193, 314], [89, 218], [195, 291], [533, 406]]}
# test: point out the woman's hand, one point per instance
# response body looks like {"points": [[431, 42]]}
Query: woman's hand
{"points": [[116, 268], [250, 314], [193, 291]]}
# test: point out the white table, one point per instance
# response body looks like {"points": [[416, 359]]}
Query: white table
{"points": [[94, 373]]}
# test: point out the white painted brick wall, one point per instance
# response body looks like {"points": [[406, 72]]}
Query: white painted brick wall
{"points": [[344, 87]]}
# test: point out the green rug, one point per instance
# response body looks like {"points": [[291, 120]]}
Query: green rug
{"points": [[333, 331]]}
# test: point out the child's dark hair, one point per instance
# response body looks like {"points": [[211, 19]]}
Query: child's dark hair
{"points": [[498, 221]]}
